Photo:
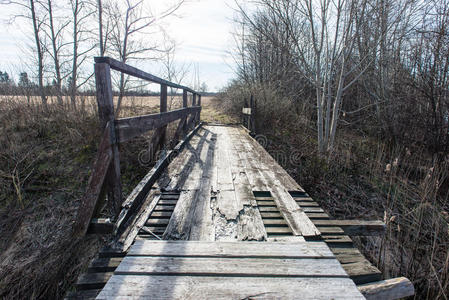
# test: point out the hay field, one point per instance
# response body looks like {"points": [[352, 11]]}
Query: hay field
{"points": [[213, 110]]}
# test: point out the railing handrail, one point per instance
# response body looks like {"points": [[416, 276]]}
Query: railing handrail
{"points": [[133, 71]]}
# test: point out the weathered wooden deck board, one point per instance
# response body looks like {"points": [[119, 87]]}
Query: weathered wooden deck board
{"points": [[259, 267], [207, 287], [229, 270], [228, 249]]}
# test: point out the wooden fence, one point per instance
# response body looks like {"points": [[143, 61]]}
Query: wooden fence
{"points": [[105, 176]]}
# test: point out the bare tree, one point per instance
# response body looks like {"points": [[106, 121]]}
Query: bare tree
{"points": [[37, 21], [173, 71], [55, 33], [128, 28], [323, 36], [80, 14]]}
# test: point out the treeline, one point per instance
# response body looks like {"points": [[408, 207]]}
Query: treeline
{"points": [[66, 35], [26, 87], [379, 67]]}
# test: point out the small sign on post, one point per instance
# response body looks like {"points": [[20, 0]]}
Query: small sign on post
{"points": [[246, 111]]}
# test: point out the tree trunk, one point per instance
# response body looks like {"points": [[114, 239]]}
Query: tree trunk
{"points": [[73, 84], [55, 54], [40, 58]]}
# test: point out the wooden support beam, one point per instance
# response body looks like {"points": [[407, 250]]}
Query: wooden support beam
{"points": [[388, 289], [100, 226], [106, 114], [94, 186], [355, 227], [129, 128]]}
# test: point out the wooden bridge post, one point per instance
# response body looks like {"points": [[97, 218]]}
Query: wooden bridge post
{"points": [[199, 113], [184, 105], [163, 108], [106, 113], [195, 118], [251, 117]]}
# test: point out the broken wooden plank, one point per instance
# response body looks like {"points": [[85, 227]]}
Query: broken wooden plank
{"points": [[389, 289], [250, 226], [181, 219], [228, 205]]}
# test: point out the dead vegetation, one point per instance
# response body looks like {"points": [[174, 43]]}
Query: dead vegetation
{"points": [[367, 178], [46, 156]]}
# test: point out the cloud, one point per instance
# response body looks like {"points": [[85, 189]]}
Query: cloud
{"points": [[201, 29]]}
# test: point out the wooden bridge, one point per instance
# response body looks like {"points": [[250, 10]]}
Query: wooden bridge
{"points": [[216, 218]]}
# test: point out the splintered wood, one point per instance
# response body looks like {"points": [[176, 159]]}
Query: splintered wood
{"points": [[217, 173]]}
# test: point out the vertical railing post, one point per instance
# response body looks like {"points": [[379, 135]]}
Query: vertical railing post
{"points": [[163, 108], [184, 98], [199, 113], [251, 116], [106, 113], [194, 121], [184, 105]]}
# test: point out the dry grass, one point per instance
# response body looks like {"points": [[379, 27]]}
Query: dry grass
{"points": [[367, 179], [46, 157]]}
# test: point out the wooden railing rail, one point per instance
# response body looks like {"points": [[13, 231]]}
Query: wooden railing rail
{"points": [[124, 68], [105, 176]]}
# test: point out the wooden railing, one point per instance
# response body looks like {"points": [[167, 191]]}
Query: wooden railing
{"points": [[105, 176]]}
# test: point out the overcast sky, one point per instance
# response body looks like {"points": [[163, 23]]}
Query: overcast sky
{"points": [[202, 30]]}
